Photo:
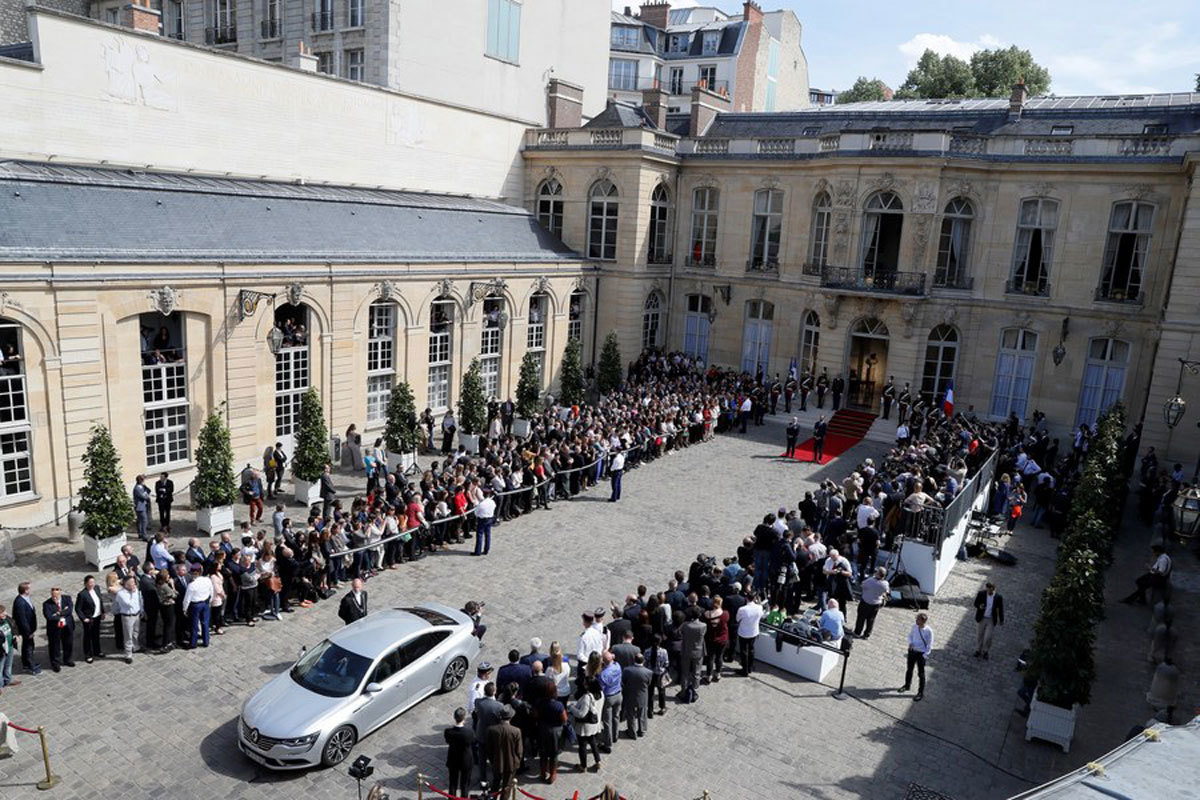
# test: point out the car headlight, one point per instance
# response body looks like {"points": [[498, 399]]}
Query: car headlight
{"points": [[302, 741]]}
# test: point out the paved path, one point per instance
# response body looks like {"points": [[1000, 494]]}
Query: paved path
{"points": [[165, 725]]}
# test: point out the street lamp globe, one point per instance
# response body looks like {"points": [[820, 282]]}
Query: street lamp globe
{"points": [[1187, 512], [1173, 410], [275, 339]]}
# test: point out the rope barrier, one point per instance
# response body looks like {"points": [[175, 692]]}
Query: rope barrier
{"points": [[51, 780], [22, 730], [436, 790], [527, 794]]}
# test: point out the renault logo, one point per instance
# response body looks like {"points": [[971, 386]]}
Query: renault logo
{"points": [[253, 736]]}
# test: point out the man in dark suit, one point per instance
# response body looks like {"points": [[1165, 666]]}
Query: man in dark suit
{"points": [[507, 411], [837, 387], [989, 612], [819, 432], [635, 688], [182, 629], [164, 495], [25, 617], [60, 628], [195, 554], [889, 395], [460, 760], [154, 610], [90, 608], [487, 714], [691, 651], [625, 651], [535, 653], [514, 672], [793, 433], [505, 748], [328, 493], [354, 605]]}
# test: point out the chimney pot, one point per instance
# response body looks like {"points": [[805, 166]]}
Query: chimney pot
{"points": [[1016, 101], [655, 14], [564, 104]]}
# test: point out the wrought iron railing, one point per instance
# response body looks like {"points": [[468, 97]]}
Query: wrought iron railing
{"points": [[221, 34], [1033, 288], [884, 281], [271, 28], [934, 524]]}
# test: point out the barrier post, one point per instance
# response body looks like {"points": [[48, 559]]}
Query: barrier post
{"points": [[420, 786], [51, 779], [840, 694]]}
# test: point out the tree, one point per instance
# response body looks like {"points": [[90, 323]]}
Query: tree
{"points": [[1198, 81], [946, 76], [571, 385], [312, 439], [610, 373], [995, 72], [529, 385], [472, 402], [104, 499], [402, 431], [1061, 658], [215, 483], [864, 89]]}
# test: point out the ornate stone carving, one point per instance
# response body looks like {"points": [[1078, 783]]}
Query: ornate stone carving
{"points": [[843, 195], [480, 289], [770, 182], [822, 186], [550, 172], [388, 290], [445, 287], [6, 300], [540, 284], [883, 183], [655, 286], [163, 300], [925, 201], [1137, 191], [921, 240], [1114, 328], [841, 234], [832, 304], [580, 284], [949, 315], [706, 180], [1023, 319], [1043, 189], [602, 174], [959, 188], [295, 292], [908, 313]]}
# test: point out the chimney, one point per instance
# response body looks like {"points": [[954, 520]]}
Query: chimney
{"points": [[656, 14], [303, 59], [140, 17], [1016, 101], [628, 11], [654, 103], [705, 107], [565, 104], [751, 12]]}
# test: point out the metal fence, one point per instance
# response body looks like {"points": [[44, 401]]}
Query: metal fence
{"points": [[934, 524]]}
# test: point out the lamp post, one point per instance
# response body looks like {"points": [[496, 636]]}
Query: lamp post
{"points": [[1175, 407], [275, 340], [1186, 509]]}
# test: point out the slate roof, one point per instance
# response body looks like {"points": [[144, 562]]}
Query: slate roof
{"points": [[75, 213], [1090, 116], [620, 115]]}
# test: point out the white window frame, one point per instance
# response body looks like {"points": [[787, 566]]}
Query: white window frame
{"points": [[381, 359], [16, 428], [941, 349], [652, 321], [224, 14], [504, 30], [677, 43], [441, 356], [491, 346], [706, 201], [710, 43], [879, 204], [1138, 226], [1035, 216], [709, 83], [659, 233], [325, 62], [810, 341], [626, 36], [954, 244], [756, 336], [292, 379], [697, 326], [604, 209], [550, 206], [1104, 375], [1015, 366], [355, 11], [356, 64], [822, 217], [675, 81], [766, 228], [575, 313], [623, 74], [165, 407]]}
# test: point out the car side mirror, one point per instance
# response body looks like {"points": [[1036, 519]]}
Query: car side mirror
{"points": [[372, 688], [303, 650]]}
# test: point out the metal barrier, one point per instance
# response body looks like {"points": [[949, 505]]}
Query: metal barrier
{"points": [[933, 524], [51, 780]]}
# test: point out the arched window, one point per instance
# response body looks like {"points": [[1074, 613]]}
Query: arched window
{"points": [[602, 220], [164, 389], [291, 367], [766, 229], [705, 202], [883, 222], [16, 430], [810, 342], [441, 353], [491, 344], [660, 226], [535, 338], [1014, 372], [1103, 379], [575, 308], [941, 359], [550, 206], [381, 359], [1034, 249], [818, 251], [756, 336], [696, 324], [652, 322], [954, 245], [1129, 230]]}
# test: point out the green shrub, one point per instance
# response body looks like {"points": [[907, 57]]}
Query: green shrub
{"points": [[105, 501]]}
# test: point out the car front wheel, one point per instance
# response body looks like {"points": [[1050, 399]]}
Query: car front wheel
{"points": [[338, 746], [456, 670]]}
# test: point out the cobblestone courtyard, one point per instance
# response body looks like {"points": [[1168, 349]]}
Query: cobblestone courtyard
{"points": [[165, 726]]}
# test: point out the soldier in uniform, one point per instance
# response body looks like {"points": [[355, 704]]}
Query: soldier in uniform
{"points": [[806, 385], [889, 395], [789, 391], [838, 387], [904, 401], [822, 387], [776, 389]]}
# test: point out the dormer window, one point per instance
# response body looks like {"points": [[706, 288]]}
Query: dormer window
{"points": [[712, 39], [677, 43], [1062, 130], [1154, 130], [625, 37], [811, 131]]}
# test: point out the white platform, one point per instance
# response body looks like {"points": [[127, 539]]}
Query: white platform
{"points": [[807, 661]]}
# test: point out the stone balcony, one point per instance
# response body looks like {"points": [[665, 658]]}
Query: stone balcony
{"points": [[854, 279]]}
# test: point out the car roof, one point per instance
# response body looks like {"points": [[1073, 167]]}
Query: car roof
{"points": [[372, 635]]}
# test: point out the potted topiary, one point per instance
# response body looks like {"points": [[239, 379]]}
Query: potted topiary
{"points": [[472, 408], [312, 449], [402, 432], [104, 500], [570, 385], [529, 388], [215, 489], [610, 374]]}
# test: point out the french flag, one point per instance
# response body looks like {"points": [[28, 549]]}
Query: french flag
{"points": [[948, 403], [792, 369]]}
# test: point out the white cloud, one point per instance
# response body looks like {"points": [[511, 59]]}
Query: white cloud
{"points": [[944, 45], [1159, 51]]}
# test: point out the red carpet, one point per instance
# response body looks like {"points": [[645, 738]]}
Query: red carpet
{"points": [[846, 429]]}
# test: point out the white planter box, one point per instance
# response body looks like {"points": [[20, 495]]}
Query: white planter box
{"points": [[307, 493], [407, 460], [101, 553], [214, 520], [1051, 723], [520, 427], [469, 441]]}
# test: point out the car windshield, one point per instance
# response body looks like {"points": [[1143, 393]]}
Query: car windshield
{"points": [[330, 670], [430, 616]]}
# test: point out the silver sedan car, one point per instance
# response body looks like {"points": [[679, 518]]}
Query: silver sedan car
{"points": [[354, 682]]}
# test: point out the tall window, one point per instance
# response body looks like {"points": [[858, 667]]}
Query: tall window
{"points": [[356, 65], [291, 366], [1103, 379], [954, 244], [652, 321], [1034, 249], [660, 226], [602, 221], [696, 324], [705, 201], [756, 336], [354, 13], [224, 22], [941, 358], [504, 30], [1129, 230], [16, 432], [766, 228], [710, 42], [625, 36], [441, 353], [323, 18], [535, 337], [675, 80], [810, 341], [164, 389], [491, 345], [325, 62], [708, 76], [575, 315], [381, 359], [622, 74], [883, 222], [173, 19], [818, 251], [1014, 372], [550, 206]]}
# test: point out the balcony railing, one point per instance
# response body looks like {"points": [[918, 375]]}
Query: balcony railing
{"points": [[829, 144], [953, 282], [1054, 146], [222, 34], [606, 137], [552, 138], [1032, 288], [883, 281], [893, 140], [712, 146], [758, 264], [968, 144], [1130, 296], [777, 146], [694, 260], [271, 29], [322, 20], [658, 257], [811, 268]]}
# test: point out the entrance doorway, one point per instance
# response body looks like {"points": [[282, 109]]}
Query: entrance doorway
{"points": [[866, 364]]}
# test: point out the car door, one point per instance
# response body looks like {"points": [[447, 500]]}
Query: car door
{"points": [[424, 662], [375, 709]]}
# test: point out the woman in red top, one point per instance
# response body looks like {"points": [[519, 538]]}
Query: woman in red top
{"points": [[460, 508], [716, 638]]}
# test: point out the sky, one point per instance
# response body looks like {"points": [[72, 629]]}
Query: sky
{"points": [[1089, 46]]}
